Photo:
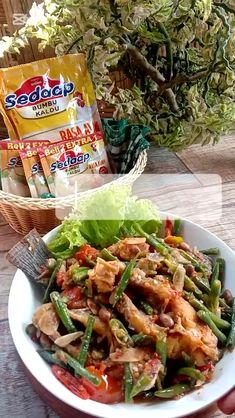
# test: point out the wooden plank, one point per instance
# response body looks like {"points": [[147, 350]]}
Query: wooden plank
{"points": [[5, 284], [212, 159], [162, 161]]}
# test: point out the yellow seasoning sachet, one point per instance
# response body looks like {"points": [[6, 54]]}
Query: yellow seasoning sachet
{"points": [[76, 165], [11, 168], [49, 99], [34, 173]]}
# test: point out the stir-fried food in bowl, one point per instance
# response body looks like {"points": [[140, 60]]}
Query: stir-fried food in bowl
{"points": [[143, 318]]}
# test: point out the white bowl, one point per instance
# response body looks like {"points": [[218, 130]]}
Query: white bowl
{"points": [[24, 299]]}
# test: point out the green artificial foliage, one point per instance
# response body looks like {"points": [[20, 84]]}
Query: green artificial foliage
{"points": [[180, 55]]}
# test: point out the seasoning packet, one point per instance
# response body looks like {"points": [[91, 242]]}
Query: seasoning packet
{"points": [[75, 165], [34, 173], [51, 98], [11, 167]]}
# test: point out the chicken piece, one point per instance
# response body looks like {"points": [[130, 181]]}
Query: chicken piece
{"points": [[46, 320], [137, 319], [190, 334], [104, 273], [157, 289], [128, 248]]}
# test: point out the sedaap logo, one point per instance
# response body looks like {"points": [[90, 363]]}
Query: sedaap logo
{"points": [[36, 168], [15, 162], [37, 90], [69, 159]]}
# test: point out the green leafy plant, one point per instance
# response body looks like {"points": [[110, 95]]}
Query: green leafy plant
{"points": [[179, 56]]}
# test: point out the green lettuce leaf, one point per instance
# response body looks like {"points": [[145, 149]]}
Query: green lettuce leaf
{"points": [[101, 216], [68, 239], [144, 213]]}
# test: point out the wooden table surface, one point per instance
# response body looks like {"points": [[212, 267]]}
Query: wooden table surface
{"points": [[17, 397]]}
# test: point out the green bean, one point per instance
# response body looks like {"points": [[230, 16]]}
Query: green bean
{"points": [[191, 286], [205, 317], [211, 251], [90, 262], [49, 357], [83, 353], [88, 288], [107, 255], [78, 368], [142, 339], [172, 391], [62, 312], [231, 337], [153, 241], [120, 332], [146, 307], [128, 383], [51, 282], [124, 231], [220, 323], [161, 348], [214, 296], [221, 262], [177, 226], [79, 274], [124, 281], [141, 385], [215, 272], [192, 372], [202, 283], [200, 266]]}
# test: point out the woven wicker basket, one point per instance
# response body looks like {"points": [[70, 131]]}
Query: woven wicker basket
{"points": [[25, 213]]}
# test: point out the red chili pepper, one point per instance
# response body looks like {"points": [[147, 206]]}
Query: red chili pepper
{"points": [[206, 367], [86, 252], [75, 297], [169, 228], [74, 384]]}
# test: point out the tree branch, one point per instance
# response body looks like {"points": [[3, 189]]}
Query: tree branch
{"points": [[226, 7], [153, 73], [169, 53], [181, 79]]}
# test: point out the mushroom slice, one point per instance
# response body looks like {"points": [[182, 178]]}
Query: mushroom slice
{"points": [[46, 319], [99, 326], [128, 355], [64, 340]]}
